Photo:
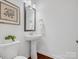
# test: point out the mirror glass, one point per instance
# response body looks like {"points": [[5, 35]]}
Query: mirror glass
{"points": [[30, 19]]}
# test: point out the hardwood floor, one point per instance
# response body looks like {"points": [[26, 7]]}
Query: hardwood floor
{"points": [[41, 56]]}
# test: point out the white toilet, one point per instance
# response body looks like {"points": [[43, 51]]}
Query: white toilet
{"points": [[20, 57]]}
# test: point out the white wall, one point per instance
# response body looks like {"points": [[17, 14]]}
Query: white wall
{"points": [[18, 30], [6, 29], [60, 17]]}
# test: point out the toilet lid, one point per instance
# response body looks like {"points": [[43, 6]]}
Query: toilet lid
{"points": [[20, 57]]}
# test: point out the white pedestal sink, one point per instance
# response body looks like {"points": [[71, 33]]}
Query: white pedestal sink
{"points": [[32, 39], [8, 50]]}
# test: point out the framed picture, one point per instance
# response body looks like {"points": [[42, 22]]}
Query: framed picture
{"points": [[9, 13], [29, 18]]}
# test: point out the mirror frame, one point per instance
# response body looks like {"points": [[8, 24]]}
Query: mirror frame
{"points": [[25, 19]]}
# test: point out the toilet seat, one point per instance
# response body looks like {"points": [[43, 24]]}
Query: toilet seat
{"points": [[20, 57]]}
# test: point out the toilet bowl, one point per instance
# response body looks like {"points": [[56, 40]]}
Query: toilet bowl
{"points": [[20, 57]]}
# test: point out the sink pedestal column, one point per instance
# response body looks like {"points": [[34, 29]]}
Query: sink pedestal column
{"points": [[33, 41], [33, 49]]}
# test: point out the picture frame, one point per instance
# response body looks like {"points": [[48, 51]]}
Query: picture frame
{"points": [[29, 18], [9, 13]]}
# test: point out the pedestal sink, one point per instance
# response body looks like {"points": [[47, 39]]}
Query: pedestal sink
{"points": [[32, 39], [8, 50]]}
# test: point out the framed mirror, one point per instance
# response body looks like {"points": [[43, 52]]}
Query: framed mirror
{"points": [[29, 18]]}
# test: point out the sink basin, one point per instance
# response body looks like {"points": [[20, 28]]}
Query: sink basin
{"points": [[3, 44], [33, 37]]}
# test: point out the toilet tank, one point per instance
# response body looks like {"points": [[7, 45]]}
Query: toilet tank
{"points": [[9, 51]]}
